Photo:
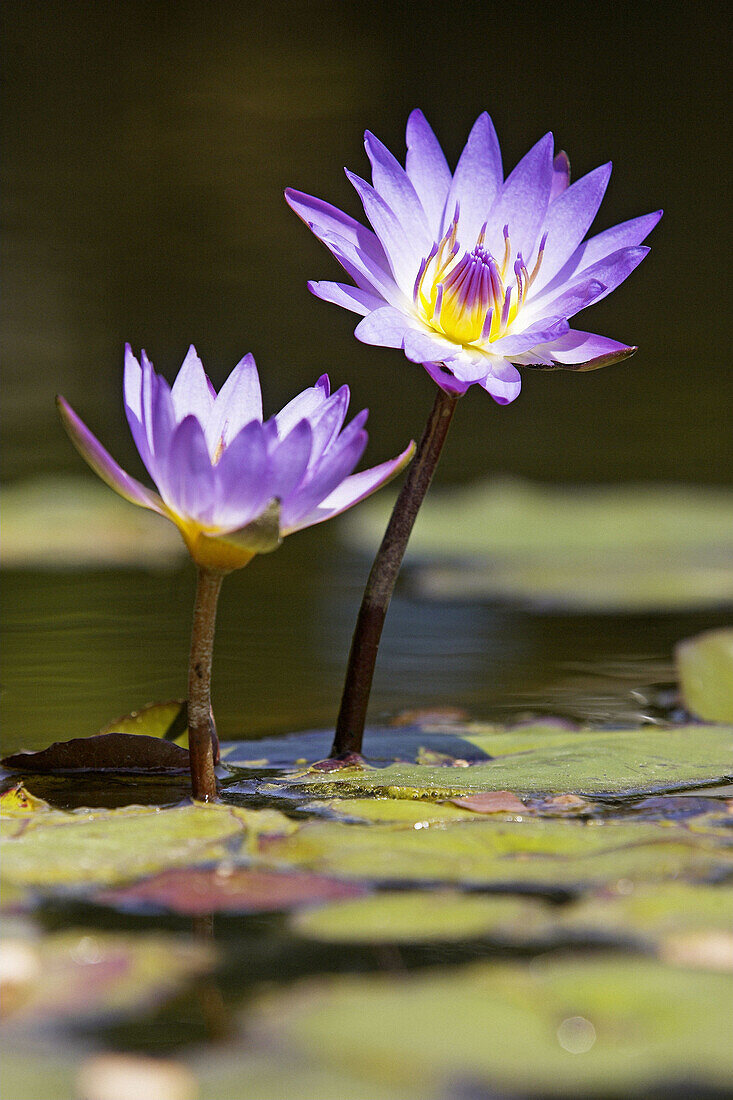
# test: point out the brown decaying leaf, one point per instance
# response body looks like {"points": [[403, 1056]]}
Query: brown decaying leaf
{"points": [[229, 889], [130, 753], [492, 802]]}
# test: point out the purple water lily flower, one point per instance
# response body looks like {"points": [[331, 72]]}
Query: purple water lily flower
{"points": [[233, 485], [470, 274]]}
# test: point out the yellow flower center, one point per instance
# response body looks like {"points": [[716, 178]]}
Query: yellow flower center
{"points": [[471, 299]]}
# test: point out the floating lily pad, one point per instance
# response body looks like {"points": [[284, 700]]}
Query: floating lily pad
{"points": [[539, 759], [67, 522], [705, 671], [122, 753], [655, 911], [557, 1027], [83, 976], [608, 548], [420, 916], [411, 814], [107, 847], [168, 720], [549, 855], [227, 889]]}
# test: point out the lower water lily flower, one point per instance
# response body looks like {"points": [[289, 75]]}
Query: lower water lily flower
{"points": [[470, 274], [233, 484]]}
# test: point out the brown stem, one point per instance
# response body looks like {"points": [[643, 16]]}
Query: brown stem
{"points": [[200, 748], [378, 592]]}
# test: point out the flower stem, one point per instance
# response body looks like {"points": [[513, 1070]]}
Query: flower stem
{"points": [[200, 746], [379, 588]]}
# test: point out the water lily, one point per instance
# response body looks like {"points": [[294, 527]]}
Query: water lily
{"points": [[470, 274], [232, 484]]}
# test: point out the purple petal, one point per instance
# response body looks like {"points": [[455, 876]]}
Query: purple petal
{"points": [[385, 327], [606, 274], [327, 422], [542, 333], [302, 407], [392, 184], [568, 219], [503, 383], [476, 182], [132, 388], [242, 477], [403, 252], [423, 347], [102, 462], [625, 235], [161, 424], [238, 402], [447, 381], [366, 273], [288, 461], [522, 203], [571, 301], [350, 297], [191, 392], [322, 218], [354, 489], [334, 466], [188, 473], [428, 169], [578, 350], [560, 174]]}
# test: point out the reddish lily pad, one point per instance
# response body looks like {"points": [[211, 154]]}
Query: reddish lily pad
{"points": [[229, 889]]}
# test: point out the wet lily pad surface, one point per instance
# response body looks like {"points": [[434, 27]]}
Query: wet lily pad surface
{"points": [[533, 910]]}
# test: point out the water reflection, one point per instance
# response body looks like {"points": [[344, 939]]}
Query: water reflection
{"points": [[83, 648]]}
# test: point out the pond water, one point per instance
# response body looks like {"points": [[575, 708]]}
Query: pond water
{"points": [[143, 174], [83, 648]]}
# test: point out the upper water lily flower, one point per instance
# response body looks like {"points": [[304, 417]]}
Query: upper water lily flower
{"points": [[233, 485], [471, 274]]}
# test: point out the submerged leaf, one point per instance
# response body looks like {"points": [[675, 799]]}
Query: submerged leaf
{"points": [[705, 671]]}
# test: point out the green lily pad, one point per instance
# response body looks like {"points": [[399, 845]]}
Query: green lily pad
{"points": [[167, 720], [610, 548], [653, 912], [421, 916], [396, 811], [107, 847], [540, 760], [68, 522], [550, 854], [555, 1027], [705, 672]]}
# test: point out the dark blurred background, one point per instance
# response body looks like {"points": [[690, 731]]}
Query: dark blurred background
{"points": [[146, 149], [147, 146]]}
